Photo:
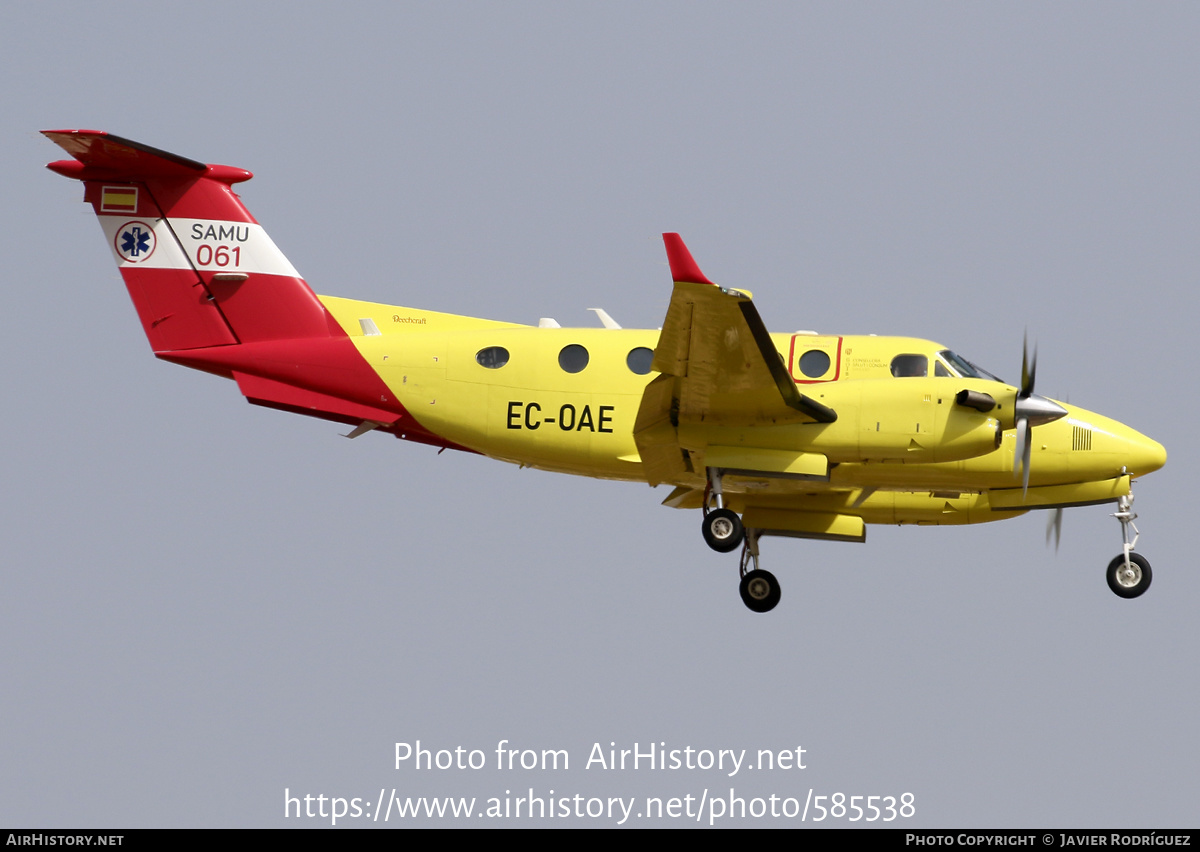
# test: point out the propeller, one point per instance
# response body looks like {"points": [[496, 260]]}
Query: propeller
{"points": [[1030, 410], [1054, 526]]}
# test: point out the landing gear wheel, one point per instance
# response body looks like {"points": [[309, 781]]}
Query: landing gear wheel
{"points": [[1131, 581], [760, 590], [722, 530]]}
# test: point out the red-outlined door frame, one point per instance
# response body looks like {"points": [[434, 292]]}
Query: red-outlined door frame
{"points": [[827, 343]]}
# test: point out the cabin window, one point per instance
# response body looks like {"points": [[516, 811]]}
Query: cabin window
{"points": [[910, 366], [814, 363], [573, 358], [494, 357], [639, 360]]}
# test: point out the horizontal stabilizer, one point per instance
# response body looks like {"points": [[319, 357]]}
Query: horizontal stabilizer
{"points": [[115, 158], [273, 394]]}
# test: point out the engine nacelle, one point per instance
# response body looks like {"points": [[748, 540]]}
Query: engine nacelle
{"points": [[914, 420]]}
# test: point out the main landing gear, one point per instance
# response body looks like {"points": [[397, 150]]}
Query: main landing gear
{"points": [[1129, 573], [723, 532], [722, 527], [759, 589]]}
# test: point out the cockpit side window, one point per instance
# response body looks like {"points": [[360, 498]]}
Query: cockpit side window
{"points": [[965, 368], [910, 366], [941, 370]]}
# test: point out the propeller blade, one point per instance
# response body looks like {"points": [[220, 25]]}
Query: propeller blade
{"points": [[1022, 440], [1024, 363], [1029, 410], [1022, 452], [1054, 525], [1028, 369]]}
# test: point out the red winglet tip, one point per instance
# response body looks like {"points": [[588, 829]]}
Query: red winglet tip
{"points": [[683, 266]]}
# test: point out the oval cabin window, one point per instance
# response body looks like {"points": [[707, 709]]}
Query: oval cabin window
{"points": [[573, 358], [494, 357], [639, 360]]}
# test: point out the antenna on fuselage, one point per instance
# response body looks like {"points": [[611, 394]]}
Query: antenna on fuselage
{"points": [[605, 319]]}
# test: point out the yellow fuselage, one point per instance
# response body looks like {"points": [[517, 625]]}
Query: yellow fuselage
{"points": [[900, 450]]}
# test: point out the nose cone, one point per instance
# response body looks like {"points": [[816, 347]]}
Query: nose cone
{"points": [[1102, 447], [1145, 455]]}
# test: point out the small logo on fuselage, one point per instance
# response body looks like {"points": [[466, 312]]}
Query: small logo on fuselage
{"points": [[135, 242]]}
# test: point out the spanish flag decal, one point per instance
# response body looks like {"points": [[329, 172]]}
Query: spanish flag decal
{"points": [[119, 199]]}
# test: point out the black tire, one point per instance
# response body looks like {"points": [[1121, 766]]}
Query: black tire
{"points": [[760, 591], [1131, 583], [722, 530]]}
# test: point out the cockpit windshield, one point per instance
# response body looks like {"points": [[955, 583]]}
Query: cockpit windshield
{"points": [[964, 368]]}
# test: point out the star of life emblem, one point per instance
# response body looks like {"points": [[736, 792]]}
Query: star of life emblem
{"points": [[135, 242]]}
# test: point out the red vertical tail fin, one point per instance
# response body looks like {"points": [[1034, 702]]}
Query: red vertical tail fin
{"points": [[200, 270]]}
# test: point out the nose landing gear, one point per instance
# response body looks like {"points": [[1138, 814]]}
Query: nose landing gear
{"points": [[1129, 573]]}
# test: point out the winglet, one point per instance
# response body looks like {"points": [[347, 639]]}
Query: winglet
{"points": [[683, 266]]}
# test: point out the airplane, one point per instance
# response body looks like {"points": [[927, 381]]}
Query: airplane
{"points": [[804, 435]]}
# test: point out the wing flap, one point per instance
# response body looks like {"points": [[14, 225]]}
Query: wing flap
{"points": [[820, 525], [755, 461], [656, 435]]}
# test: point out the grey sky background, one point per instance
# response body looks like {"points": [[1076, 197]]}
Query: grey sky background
{"points": [[207, 602]]}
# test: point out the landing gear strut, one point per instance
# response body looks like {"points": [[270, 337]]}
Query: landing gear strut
{"points": [[722, 527], [1129, 574], [723, 532], [759, 589]]}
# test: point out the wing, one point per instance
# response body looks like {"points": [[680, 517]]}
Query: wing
{"points": [[717, 366]]}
